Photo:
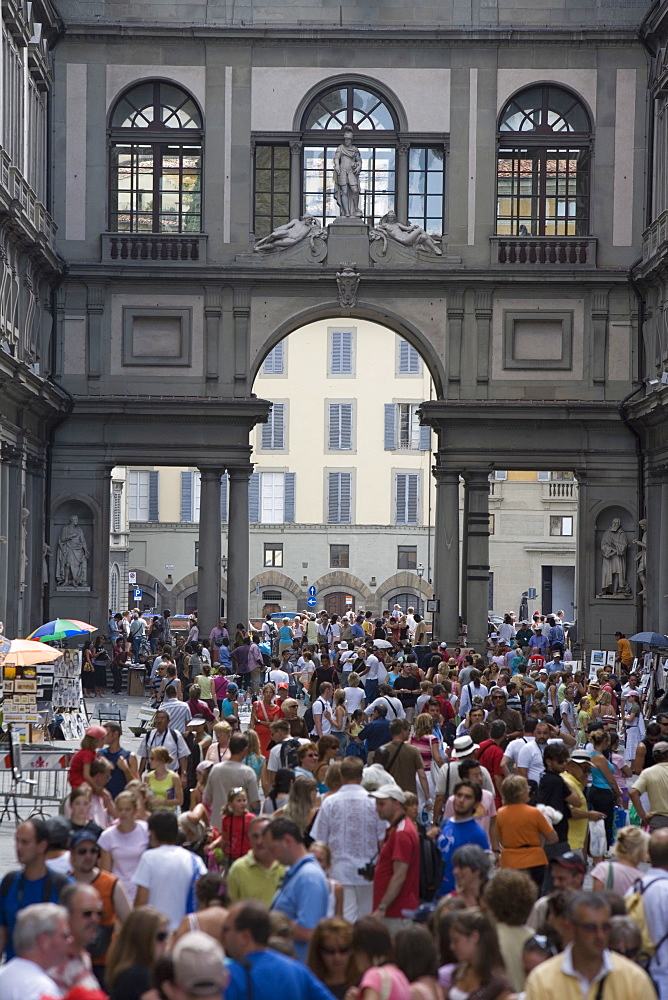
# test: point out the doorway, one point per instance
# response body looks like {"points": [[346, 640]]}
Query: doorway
{"points": [[338, 603], [558, 590]]}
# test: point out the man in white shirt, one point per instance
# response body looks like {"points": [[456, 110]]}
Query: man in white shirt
{"points": [[370, 673], [349, 824], [41, 938], [280, 734], [164, 735], [530, 759], [166, 874], [178, 711], [469, 692], [344, 662], [322, 715], [448, 776], [395, 710], [512, 751], [568, 712], [278, 676]]}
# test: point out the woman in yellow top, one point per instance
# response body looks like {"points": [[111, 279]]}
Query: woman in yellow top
{"points": [[207, 690], [165, 785]]}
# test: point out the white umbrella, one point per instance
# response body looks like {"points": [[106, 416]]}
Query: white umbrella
{"points": [[382, 644], [26, 653]]}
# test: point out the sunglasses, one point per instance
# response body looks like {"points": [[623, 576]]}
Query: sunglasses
{"points": [[162, 935], [344, 949]]}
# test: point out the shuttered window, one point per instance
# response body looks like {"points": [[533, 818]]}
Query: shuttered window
{"points": [[339, 498], [402, 428], [341, 352], [407, 487], [273, 432], [409, 359], [143, 496], [271, 498], [190, 496], [340, 435], [274, 363]]}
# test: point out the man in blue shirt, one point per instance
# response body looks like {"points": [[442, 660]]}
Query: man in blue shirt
{"points": [[303, 895], [461, 829], [556, 635], [539, 641], [33, 884], [124, 768], [377, 732], [357, 632], [256, 970]]}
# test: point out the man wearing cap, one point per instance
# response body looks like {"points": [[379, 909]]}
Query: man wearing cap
{"points": [[303, 895], [198, 969], [396, 879], [257, 971], [654, 781], [576, 776], [84, 855], [32, 883], [448, 776]]}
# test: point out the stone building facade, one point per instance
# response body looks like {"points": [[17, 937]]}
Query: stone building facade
{"points": [[183, 133]]}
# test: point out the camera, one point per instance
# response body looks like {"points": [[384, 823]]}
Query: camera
{"points": [[367, 871]]}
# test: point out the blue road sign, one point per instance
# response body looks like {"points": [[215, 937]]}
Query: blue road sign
{"points": [[312, 591], [311, 601], [138, 594]]}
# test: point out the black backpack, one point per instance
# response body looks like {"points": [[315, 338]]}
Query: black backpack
{"points": [[431, 867], [288, 755], [308, 715]]}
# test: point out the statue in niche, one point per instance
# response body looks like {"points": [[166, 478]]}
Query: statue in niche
{"points": [[25, 514], [290, 234], [347, 165], [613, 546], [411, 235], [72, 556], [641, 558]]}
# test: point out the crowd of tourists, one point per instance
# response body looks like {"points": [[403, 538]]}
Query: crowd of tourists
{"points": [[334, 807]]}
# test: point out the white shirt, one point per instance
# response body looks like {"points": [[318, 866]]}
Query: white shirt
{"points": [[443, 786], [322, 708], [373, 663], [516, 746], [279, 677], [274, 759], [354, 698], [395, 710], [346, 660], [506, 632], [468, 692], [178, 712], [349, 824], [21, 979], [484, 811], [531, 757], [168, 872]]}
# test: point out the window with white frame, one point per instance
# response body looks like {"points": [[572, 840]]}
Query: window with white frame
{"points": [[274, 363], [271, 498], [116, 506], [403, 430], [339, 498], [409, 359], [407, 498], [561, 525], [138, 495], [273, 432], [341, 352], [340, 427]]}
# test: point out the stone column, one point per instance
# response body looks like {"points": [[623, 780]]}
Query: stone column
{"points": [[477, 564], [208, 569], [295, 179], [446, 554], [663, 561], [463, 595], [402, 182], [238, 547]]}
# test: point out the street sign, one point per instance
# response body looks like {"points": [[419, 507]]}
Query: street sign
{"points": [[132, 579], [311, 601], [138, 593], [312, 591], [434, 606]]}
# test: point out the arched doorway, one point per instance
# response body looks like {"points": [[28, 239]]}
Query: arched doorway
{"points": [[406, 601], [339, 603]]}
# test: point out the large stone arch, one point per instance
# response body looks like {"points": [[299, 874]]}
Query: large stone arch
{"points": [[273, 579], [342, 581], [188, 584], [357, 79], [373, 312], [403, 582]]}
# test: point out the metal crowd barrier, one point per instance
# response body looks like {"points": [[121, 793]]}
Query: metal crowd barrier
{"points": [[46, 767]]}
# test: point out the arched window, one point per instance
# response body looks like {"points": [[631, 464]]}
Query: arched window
{"points": [[155, 183], [114, 587], [543, 165], [374, 128]]}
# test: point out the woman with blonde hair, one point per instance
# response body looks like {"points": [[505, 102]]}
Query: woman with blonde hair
{"points": [[423, 738], [621, 872], [220, 748], [354, 693], [140, 942], [302, 804], [254, 756], [165, 785]]}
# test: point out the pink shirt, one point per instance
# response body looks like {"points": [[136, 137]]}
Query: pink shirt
{"points": [[484, 811], [383, 978]]}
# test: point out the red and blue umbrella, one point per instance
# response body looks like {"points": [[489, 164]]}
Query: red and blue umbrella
{"points": [[61, 628]]}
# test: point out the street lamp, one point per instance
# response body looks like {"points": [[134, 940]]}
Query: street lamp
{"points": [[420, 573]]}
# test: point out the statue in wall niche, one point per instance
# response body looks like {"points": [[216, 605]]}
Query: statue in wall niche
{"points": [[641, 558], [347, 165], [411, 235], [72, 556], [613, 546], [290, 234]]}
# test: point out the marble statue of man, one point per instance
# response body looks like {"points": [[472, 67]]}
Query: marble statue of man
{"points": [[290, 234], [641, 558], [613, 546], [347, 165], [411, 235], [72, 556]]}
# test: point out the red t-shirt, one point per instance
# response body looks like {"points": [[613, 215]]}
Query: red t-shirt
{"points": [[401, 844], [235, 835], [490, 756], [81, 757]]}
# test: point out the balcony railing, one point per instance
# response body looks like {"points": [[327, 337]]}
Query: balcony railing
{"points": [[544, 251], [146, 248], [561, 491], [654, 237], [20, 199]]}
